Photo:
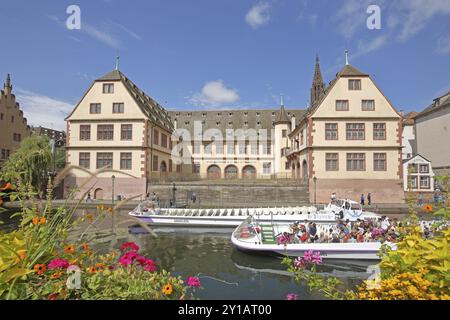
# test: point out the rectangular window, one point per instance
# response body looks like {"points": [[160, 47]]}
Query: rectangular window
{"points": [[105, 132], [3, 153], [424, 168], [118, 107], [12, 118], [178, 168], [414, 182], [283, 133], [208, 148], [412, 168], [108, 88], [170, 165], [331, 161], [331, 131], [85, 132], [379, 161], [425, 182], [379, 131], [230, 147], [267, 148], [368, 105], [1, 116], [104, 159], [125, 160], [254, 148], [356, 162], [163, 140], [155, 163], [355, 131], [354, 84], [267, 168], [341, 105], [126, 132], [85, 160], [219, 148], [241, 147], [155, 136], [95, 108]]}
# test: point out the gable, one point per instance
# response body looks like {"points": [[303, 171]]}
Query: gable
{"points": [[95, 95], [369, 91]]}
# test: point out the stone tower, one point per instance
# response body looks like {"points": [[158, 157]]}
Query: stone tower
{"points": [[317, 88]]}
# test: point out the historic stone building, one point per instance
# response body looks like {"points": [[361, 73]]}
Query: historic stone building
{"points": [[349, 140], [13, 124], [116, 125], [432, 130], [235, 144], [56, 135]]}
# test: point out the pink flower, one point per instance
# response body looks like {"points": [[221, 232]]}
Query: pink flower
{"points": [[124, 261], [193, 282], [316, 258], [149, 265], [58, 263], [131, 245], [308, 256], [292, 296], [299, 263]]}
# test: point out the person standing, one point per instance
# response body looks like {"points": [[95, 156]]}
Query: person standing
{"points": [[362, 199], [369, 199]]}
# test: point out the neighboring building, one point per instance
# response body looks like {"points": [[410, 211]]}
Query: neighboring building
{"points": [[116, 125], [408, 136], [349, 140], [248, 157], [432, 128], [13, 124], [418, 175], [50, 133]]}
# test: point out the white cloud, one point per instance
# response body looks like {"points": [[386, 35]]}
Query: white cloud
{"points": [[41, 110], [415, 14], [214, 93], [443, 46], [365, 47], [352, 17], [258, 15]]}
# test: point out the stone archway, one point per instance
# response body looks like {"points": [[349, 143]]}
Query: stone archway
{"points": [[231, 172], [163, 170], [213, 172], [98, 194], [248, 172]]}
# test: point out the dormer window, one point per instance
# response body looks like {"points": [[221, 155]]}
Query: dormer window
{"points": [[245, 114], [219, 114], [108, 88], [230, 114], [257, 114], [204, 114], [354, 84]]}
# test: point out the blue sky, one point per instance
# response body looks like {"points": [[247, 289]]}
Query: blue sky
{"points": [[221, 53]]}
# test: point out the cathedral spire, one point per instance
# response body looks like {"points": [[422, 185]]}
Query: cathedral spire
{"points": [[317, 85], [7, 86]]}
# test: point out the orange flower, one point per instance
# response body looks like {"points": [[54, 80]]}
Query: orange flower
{"points": [[85, 246], [89, 217], [167, 289], [73, 261], [92, 269], [39, 268], [56, 275], [43, 220], [110, 210], [21, 254], [35, 220], [69, 249], [428, 208]]}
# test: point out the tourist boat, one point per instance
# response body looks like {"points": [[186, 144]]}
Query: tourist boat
{"points": [[149, 213], [258, 237]]}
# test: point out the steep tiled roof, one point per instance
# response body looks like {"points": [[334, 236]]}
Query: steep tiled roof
{"points": [[282, 116], [408, 119], [150, 107], [350, 71], [230, 119], [438, 103]]}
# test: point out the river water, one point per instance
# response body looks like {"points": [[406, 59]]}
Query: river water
{"points": [[224, 271]]}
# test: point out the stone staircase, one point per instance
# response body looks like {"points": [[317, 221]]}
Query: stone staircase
{"points": [[237, 193]]}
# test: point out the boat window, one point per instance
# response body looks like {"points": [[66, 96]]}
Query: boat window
{"points": [[356, 206]]}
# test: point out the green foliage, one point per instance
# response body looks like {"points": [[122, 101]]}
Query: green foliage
{"points": [[30, 163]]}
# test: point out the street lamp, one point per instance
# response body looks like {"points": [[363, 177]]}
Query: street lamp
{"points": [[112, 202], [173, 194], [315, 193]]}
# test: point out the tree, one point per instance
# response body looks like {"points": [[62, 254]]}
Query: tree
{"points": [[30, 163]]}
